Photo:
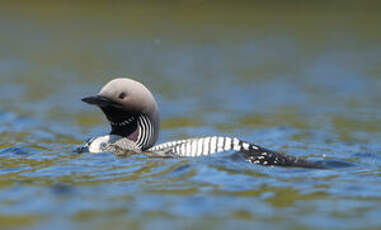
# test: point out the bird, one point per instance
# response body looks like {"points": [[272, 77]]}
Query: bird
{"points": [[133, 114]]}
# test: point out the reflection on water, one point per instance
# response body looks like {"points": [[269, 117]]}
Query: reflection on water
{"points": [[302, 78]]}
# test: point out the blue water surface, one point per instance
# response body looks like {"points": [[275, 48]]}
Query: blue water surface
{"points": [[281, 77]]}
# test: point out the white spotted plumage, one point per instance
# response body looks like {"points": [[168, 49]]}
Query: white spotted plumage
{"points": [[183, 150], [192, 147], [206, 145], [220, 144], [202, 146], [199, 148], [213, 146], [228, 144]]}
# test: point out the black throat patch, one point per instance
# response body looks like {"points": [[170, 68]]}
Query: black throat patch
{"points": [[122, 123]]}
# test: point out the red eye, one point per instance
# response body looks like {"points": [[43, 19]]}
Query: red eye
{"points": [[122, 95]]}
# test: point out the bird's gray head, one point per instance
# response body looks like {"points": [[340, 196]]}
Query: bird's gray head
{"points": [[131, 110]]}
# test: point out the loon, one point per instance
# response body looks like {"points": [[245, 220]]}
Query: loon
{"points": [[133, 114]]}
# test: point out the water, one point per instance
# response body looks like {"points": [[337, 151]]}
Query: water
{"points": [[294, 77]]}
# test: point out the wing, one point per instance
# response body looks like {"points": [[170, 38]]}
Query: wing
{"points": [[205, 146]]}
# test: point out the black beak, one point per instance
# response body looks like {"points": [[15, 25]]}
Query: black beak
{"points": [[82, 149], [98, 100]]}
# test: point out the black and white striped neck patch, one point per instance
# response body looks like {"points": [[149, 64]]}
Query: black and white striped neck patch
{"points": [[145, 131]]}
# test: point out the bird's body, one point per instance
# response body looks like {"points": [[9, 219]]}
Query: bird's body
{"points": [[134, 118], [110, 143]]}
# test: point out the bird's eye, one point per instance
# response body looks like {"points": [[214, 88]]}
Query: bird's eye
{"points": [[122, 95]]}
